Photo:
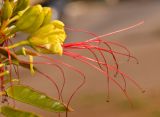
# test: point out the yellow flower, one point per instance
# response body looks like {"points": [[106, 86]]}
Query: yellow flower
{"points": [[48, 39]]}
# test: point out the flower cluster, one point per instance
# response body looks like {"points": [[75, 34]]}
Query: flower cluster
{"points": [[46, 36]]}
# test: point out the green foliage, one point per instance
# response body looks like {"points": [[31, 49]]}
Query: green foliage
{"points": [[8, 111], [30, 96]]}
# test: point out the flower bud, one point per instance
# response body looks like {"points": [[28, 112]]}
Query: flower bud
{"points": [[7, 10], [30, 20], [21, 5], [47, 15], [36, 25]]}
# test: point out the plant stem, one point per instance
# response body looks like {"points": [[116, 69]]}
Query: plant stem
{"points": [[13, 19], [21, 43]]}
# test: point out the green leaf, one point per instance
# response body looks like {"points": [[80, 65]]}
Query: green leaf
{"points": [[28, 95], [8, 111]]}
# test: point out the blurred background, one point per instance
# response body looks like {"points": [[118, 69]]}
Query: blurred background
{"points": [[101, 17]]}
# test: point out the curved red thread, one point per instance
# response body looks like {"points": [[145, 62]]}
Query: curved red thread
{"points": [[118, 31], [84, 46], [50, 79], [105, 74], [109, 66], [74, 69], [53, 64], [10, 73], [97, 38]]}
